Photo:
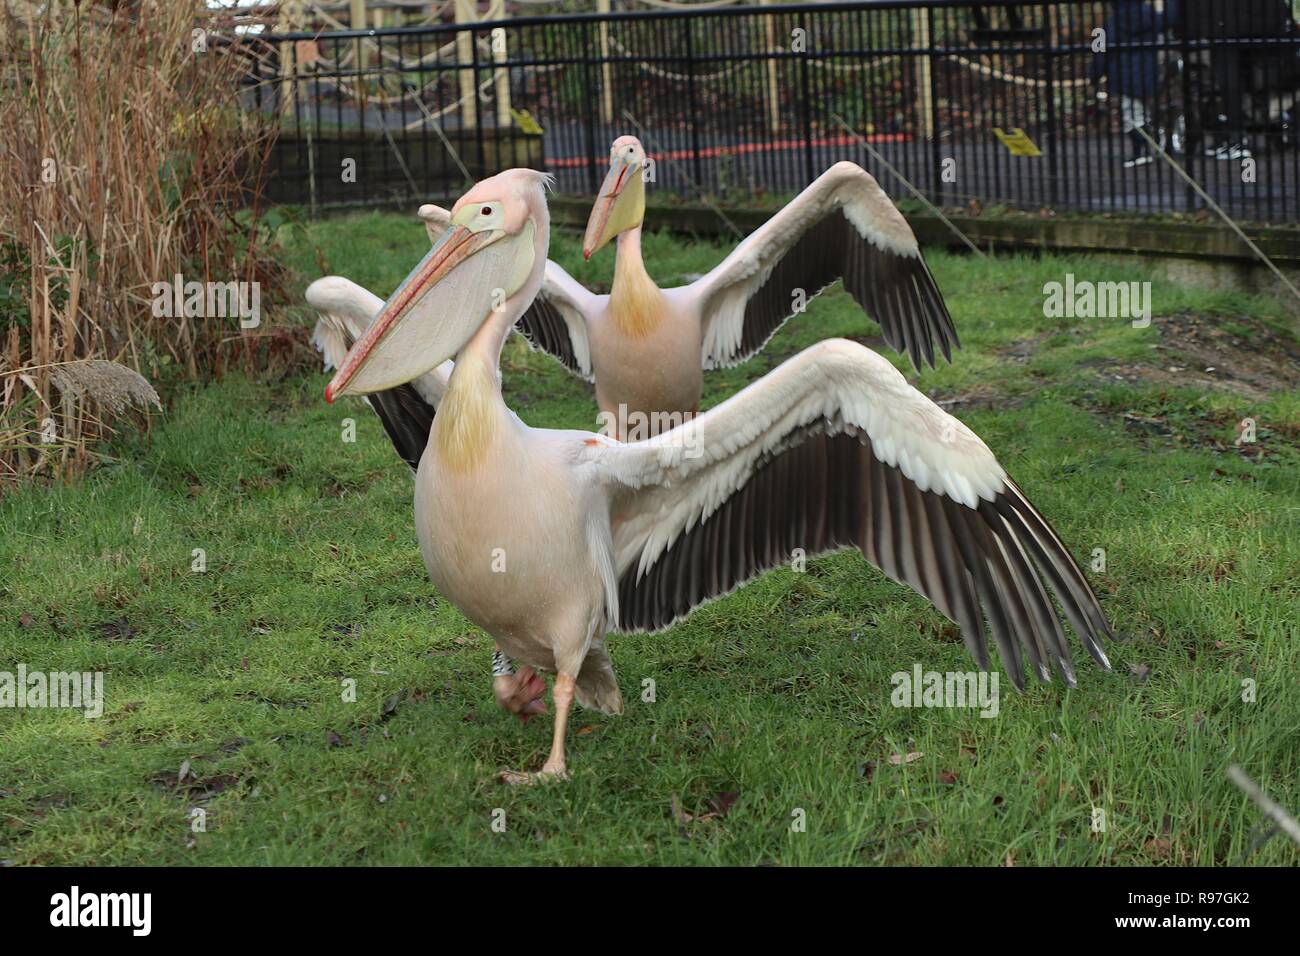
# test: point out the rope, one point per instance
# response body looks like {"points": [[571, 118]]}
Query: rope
{"points": [[393, 57], [481, 93], [668, 74], [1015, 78], [988, 71], [847, 68], [379, 99], [703, 5]]}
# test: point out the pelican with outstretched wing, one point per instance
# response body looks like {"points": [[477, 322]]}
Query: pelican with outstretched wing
{"points": [[646, 348], [550, 539]]}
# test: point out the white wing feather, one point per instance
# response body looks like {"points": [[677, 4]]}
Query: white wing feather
{"points": [[723, 294], [666, 485]]}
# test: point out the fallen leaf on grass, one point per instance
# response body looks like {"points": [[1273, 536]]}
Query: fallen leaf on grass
{"points": [[24, 620], [189, 785], [719, 807], [1140, 671], [897, 759], [333, 739], [1158, 848], [868, 769], [724, 801], [118, 630], [390, 704]]}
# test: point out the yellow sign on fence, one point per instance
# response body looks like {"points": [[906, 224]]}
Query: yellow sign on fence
{"points": [[525, 122], [1017, 142]]}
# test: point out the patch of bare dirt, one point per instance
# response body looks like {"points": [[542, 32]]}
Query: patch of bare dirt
{"points": [[1240, 355], [1022, 351], [981, 396]]}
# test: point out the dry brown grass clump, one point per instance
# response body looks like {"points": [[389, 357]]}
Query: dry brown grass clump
{"points": [[126, 160]]}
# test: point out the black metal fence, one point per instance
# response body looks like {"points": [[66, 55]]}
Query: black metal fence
{"points": [[972, 103]]}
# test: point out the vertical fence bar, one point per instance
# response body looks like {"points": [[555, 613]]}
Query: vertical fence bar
{"points": [[693, 106], [1053, 133], [1191, 121], [806, 106], [592, 150], [484, 163], [931, 122]]}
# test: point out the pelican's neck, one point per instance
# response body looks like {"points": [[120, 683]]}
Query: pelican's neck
{"points": [[472, 412], [635, 301]]}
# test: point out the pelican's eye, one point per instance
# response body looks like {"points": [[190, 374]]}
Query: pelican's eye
{"points": [[489, 216]]}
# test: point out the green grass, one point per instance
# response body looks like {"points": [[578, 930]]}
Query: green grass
{"points": [[780, 693]]}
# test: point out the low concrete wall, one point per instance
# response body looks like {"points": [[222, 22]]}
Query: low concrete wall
{"points": [[382, 166], [1208, 254]]}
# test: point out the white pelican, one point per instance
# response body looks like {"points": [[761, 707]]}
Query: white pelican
{"points": [[551, 539], [646, 348]]}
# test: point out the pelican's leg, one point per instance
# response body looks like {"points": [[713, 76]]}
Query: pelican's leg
{"points": [[521, 692], [563, 694], [554, 768]]}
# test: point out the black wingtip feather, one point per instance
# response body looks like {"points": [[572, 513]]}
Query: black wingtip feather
{"points": [[407, 418], [993, 569]]}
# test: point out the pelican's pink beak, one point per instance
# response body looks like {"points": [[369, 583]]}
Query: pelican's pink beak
{"points": [[604, 224], [457, 245]]}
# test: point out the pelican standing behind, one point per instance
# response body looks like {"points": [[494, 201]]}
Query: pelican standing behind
{"points": [[646, 348], [550, 539]]}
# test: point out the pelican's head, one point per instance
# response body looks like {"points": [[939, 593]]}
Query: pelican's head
{"points": [[494, 251], [621, 203]]}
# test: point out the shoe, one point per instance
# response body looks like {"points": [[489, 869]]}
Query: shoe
{"points": [[1229, 151]]}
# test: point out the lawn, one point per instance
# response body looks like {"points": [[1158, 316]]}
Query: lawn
{"points": [[771, 737]]}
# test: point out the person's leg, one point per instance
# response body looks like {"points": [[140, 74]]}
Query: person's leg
{"points": [[1133, 116]]}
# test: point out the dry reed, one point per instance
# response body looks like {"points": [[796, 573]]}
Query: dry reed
{"points": [[127, 159]]}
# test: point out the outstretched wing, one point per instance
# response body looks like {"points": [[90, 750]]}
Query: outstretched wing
{"points": [[436, 220], [346, 311], [834, 449], [556, 322], [843, 226]]}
